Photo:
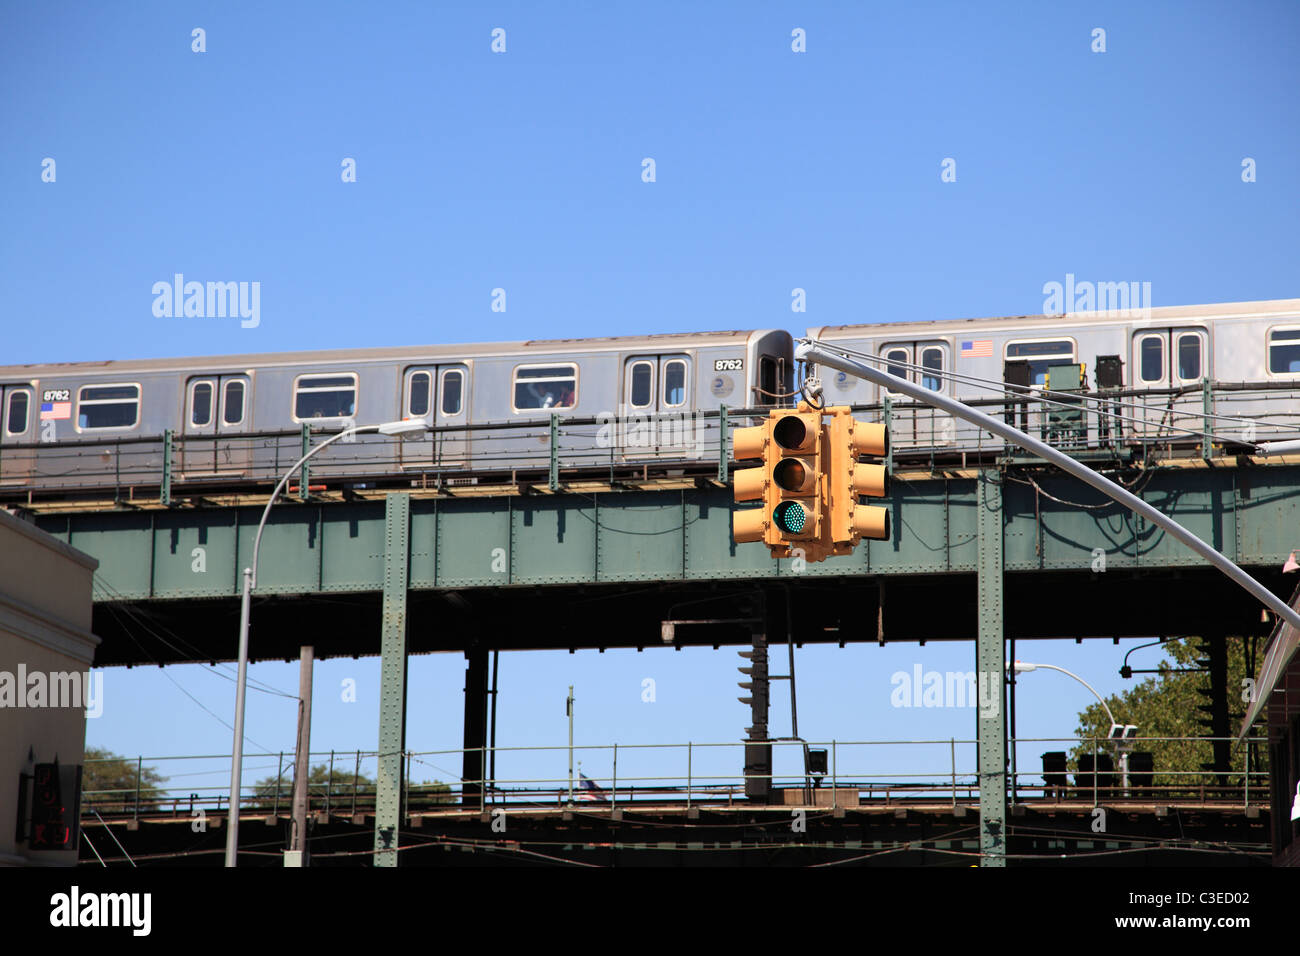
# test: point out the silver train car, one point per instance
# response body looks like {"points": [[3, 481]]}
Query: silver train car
{"points": [[1165, 377], [1166, 368], [93, 424]]}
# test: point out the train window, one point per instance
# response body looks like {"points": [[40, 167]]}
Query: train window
{"points": [[767, 384], [932, 363], [1041, 355], [201, 404], [675, 383], [453, 383], [325, 396], [545, 386], [417, 401], [1151, 358], [232, 405], [108, 406], [640, 392], [1189, 356], [16, 419], [1284, 351], [898, 360]]}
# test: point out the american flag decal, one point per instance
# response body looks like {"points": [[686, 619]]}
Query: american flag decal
{"points": [[55, 411], [979, 348]]}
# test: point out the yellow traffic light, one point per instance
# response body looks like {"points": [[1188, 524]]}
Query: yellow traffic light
{"points": [[848, 479], [751, 484], [796, 475], [808, 477]]}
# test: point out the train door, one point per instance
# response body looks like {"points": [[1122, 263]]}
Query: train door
{"points": [[452, 411], [19, 427], [655, 414], [440, 395], [915, 424], [218, 416], [1172, 358]]}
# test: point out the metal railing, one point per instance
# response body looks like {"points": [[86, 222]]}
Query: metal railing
{"points": [[546, 447], [685, 775]]}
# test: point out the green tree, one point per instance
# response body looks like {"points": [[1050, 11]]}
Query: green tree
{"points": [[340, 787], [430, 791], [1165, 705], [320, 781], [109, 780]]}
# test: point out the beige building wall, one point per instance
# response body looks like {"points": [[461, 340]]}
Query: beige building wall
{"points": [[45, 610]]}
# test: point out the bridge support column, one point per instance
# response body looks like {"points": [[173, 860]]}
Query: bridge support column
{"points": [[476, 699], [389, 802], [990, 671]]}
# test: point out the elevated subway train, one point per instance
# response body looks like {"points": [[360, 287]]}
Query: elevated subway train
{"points": [[1171, 372], [503, 407], [92, 424]]}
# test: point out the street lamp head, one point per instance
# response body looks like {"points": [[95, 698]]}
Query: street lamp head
{"points": [[406, 428]]}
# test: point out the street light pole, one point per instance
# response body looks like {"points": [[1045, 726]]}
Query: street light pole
{"points": [[401, 428], [1022, 667]]}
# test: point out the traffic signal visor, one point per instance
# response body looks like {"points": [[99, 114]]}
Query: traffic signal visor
{"points": [[750, 483], [851, 479]]}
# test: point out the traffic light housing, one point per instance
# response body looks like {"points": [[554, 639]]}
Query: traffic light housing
{"points": [[797, 478], [808, 479], [849, 479], [749, 483], [758, 748]]}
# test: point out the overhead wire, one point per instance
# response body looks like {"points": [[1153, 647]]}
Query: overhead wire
{"points": [[181, 688], [113, 837], [125, 605], [1032, 393], [1036, 393]]}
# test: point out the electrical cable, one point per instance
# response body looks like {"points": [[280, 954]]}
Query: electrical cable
{"points": [[1028, 393]]}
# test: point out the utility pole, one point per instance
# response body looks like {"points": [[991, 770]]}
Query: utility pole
{"points": [[297, 855], [568, 709]]}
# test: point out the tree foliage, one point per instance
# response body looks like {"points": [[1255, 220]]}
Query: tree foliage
{"points": [[339, 786], [1166, 705], [108, 779]]}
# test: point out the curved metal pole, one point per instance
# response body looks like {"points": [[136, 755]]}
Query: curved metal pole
{"points": [[266, 512], [1053, 667], [811, 351], [241, 679]]}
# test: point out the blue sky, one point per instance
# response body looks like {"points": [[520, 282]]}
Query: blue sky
{"points": [[523, 171]]}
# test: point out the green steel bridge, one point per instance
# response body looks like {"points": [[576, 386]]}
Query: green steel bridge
{"points": [[988, 546]]}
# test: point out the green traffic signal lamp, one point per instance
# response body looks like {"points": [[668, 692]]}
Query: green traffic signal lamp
{"points": [[790, 517]]}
